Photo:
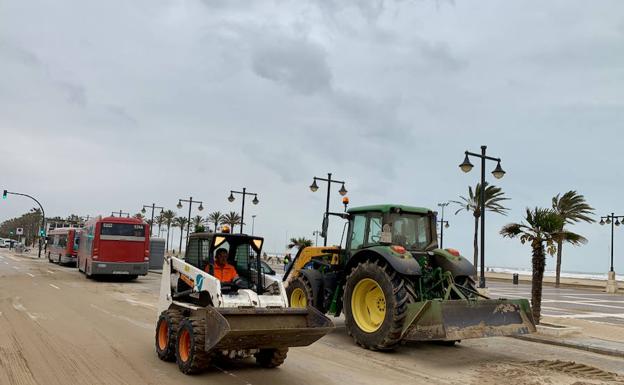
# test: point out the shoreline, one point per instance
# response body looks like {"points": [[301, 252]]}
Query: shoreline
{"points": [[596, 284]]}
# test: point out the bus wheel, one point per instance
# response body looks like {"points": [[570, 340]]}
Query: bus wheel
{"points": [[59, 259]]}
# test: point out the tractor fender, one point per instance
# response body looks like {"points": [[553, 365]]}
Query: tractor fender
{"points": [[457, 265], [315, 278], [404, 264]]}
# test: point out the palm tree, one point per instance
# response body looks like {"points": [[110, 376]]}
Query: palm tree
{"points": [[493, 198], [159, 220], [231, 219], [168, 217], [181, 223], [139, 216], [573, 208], [299, 243], [542, 230], [198, 223], [215, 217]]}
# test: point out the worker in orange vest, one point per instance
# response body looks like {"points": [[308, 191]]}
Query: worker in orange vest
{"points": [[223, 271]]}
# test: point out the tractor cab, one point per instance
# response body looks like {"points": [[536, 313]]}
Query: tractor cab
{"points": [[243, 254], [412, 228]]}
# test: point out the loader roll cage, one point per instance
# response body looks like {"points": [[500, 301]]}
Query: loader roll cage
{"points": [[243, 253]]}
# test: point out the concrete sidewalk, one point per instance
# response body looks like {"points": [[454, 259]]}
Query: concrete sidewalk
{"points": [[580, 342]]}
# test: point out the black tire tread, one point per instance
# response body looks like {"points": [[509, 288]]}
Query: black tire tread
{"points": [[392, 338], [271, 358], [173, 317], [199, 359], [303, 283]]}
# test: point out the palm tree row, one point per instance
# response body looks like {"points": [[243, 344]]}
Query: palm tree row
{"points": [[544, 229]]}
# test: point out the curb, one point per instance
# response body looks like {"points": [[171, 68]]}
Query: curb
{"points": [[155, 271], [579, 346]]}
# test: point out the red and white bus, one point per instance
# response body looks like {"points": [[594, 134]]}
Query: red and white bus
{"points": [[62, 246], [114, 246]]}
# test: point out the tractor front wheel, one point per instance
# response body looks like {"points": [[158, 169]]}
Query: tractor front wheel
{"points": [[375, 303], [191, 355], [300, 293]]}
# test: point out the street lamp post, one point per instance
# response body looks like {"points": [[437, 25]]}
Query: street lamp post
{"points": [[42, 230], [498, 173], [613, 220], [253, 223], [316, 233], [153, 206], [442, 223], [342, 191], [255, 201], [121, 213], [188, 223]]}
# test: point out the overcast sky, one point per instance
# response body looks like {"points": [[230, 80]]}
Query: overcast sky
{"points": [[112, 105]]}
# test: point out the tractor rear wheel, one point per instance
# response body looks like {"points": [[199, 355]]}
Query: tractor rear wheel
{"points": [[375, 303], [300, 294], [166, 330], [191, 355], [271, 358]]}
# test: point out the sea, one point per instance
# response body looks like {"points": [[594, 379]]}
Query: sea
{"points": [[550, 273]]}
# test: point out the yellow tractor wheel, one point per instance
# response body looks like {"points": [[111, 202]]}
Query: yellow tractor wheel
{"points": [[368, 305], [299, 293], [375, 301]]}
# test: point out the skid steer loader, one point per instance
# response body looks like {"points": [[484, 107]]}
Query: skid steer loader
{"points": [[202, 318], [394, 284]]}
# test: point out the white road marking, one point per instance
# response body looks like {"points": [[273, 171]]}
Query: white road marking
{"points": [[6, 263], [32, 275], [14, 259], [143, 325], [590, 315], [50, 271], [54, 286], [135, 302]]}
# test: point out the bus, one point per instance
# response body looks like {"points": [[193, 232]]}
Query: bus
{"points": [[114, 246], [62, 246]]}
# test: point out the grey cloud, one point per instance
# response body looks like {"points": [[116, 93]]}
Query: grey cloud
{"points": [[74, 94], [298, 64], [438, 55]]}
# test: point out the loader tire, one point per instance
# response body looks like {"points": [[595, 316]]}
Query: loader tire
{"points": [[271, 358], [300, 293], [166, 330], [191, 355], [375, 302]]}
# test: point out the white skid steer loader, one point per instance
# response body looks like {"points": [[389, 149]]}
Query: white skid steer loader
{"points": [[202, 318]]}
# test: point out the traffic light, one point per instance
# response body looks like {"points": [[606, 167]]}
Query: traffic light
{"points": [[4, 194], [42, 233]]}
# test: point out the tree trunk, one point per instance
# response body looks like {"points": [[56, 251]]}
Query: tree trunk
{"points": [[167, 246], [539, 263], [558, 274], [476, 245], [181, 236]]}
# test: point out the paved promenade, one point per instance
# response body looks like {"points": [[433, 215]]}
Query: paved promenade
{"points": [[569, 303]]}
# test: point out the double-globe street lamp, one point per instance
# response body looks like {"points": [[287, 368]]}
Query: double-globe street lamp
{"points": [[314, 187], [42, 230], [498, 173], [613, 220], [153, 207], [244, 193], [442, 223], [188, 223]]}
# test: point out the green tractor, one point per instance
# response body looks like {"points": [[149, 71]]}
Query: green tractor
{"points": [[394, 284]]}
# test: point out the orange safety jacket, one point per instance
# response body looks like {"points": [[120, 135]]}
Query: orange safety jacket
{"points": [[225, 273]]}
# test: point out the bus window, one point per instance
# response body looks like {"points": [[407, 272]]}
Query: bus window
{"points": [[116, 230]]}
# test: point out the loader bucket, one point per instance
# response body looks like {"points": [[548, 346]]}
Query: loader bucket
{"points": [[454, 320], [264, 328]]}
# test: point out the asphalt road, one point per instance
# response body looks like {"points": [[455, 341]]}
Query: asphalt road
{"points": [[57, 327], [570, 303]]}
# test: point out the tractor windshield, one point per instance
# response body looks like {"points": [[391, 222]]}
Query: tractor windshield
{"points": [[410, 230]]}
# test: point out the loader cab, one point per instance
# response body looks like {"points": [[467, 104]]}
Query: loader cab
{"points": [[413, 228], [243, 253]]}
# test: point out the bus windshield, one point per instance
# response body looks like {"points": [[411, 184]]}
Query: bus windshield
{"points": [[122, 230]]}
